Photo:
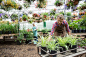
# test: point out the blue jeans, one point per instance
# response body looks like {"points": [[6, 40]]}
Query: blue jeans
{"points": [[36, 38]]}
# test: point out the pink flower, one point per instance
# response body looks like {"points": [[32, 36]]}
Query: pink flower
{"points": [[71, 0], [27, 30], [79, 46], [19, 29], [68, 0]]}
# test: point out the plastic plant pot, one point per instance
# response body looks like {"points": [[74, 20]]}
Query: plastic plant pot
{"points": [[42, 52], [79, 31], [52, 52], [25, 35], [68, 45], [18, 43], [62, 49], [0, 32], [83, 31], [6, 32], [73, 47], [28, 42], [9, 32], [72, 31]]}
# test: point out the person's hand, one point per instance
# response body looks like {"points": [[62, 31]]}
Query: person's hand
{"points": [[34, 29], [49, 38]]}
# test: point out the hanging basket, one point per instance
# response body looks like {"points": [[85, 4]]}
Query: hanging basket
{"points": [[45, 16], [57, 3], [75, 2], [24, 19]]}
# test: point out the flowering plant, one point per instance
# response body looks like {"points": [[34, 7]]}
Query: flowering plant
{"points": [[57, 3], [36, 15], [41, 5]]}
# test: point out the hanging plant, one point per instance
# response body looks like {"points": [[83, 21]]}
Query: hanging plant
{"points": [[26, 5], [30, 12], [8, 5], [0, 1], [24, 17], [45, 15], [41, 1], [5, 16], [83, 6], [19, 7], [28, 1], [53, 11], [57, 3], [14, 17], [72, 3], [41, 4], [36, 15]]}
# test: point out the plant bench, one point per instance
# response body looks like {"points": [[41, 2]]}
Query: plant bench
{"points": [[7, 37], [80, 54]]}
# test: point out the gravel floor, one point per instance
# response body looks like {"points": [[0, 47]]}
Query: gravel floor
{"points": [[9, 49]]}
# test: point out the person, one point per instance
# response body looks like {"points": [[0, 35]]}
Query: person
{"points": [[34, 28], [59, 27]]}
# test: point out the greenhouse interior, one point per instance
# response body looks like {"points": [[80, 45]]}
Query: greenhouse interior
{"points": [[42, 28]]}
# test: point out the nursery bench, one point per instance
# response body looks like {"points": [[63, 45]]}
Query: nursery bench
{"points": [[78, 33], [79, 54], [3, 36]]}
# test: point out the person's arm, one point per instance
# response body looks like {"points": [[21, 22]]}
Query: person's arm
{"points": [[67, 27], [51, 33]]}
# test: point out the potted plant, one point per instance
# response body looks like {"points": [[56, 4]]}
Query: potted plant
{"points": [[62, 44], [81, 42], [6, 29], [19, 7], [29, 37], [1, 29], [41, 4], [0, 1], [45, 31], [68, 14], [24, 17], [52, 46], [56, 15], [45, 15], [57, 3], [14, 17], [68, 39], [15, 28], [5, 16], [52, 12], [73, 43], [25, 33], [43, 44], [19, 39]]}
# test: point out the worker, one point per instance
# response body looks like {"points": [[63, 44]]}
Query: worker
{"points": [[59, 27], [34, 28]]}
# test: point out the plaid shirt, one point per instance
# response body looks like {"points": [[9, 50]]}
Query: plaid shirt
{"points": [[56, 24]]}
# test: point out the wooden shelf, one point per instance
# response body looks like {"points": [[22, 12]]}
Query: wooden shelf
{"points": [[8, 34], [78, 33]]}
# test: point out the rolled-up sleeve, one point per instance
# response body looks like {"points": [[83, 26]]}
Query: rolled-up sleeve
{"points": [[52, 30], [67, 26]]}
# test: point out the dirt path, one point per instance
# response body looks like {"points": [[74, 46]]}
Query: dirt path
{"points": [[13, 50]]}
